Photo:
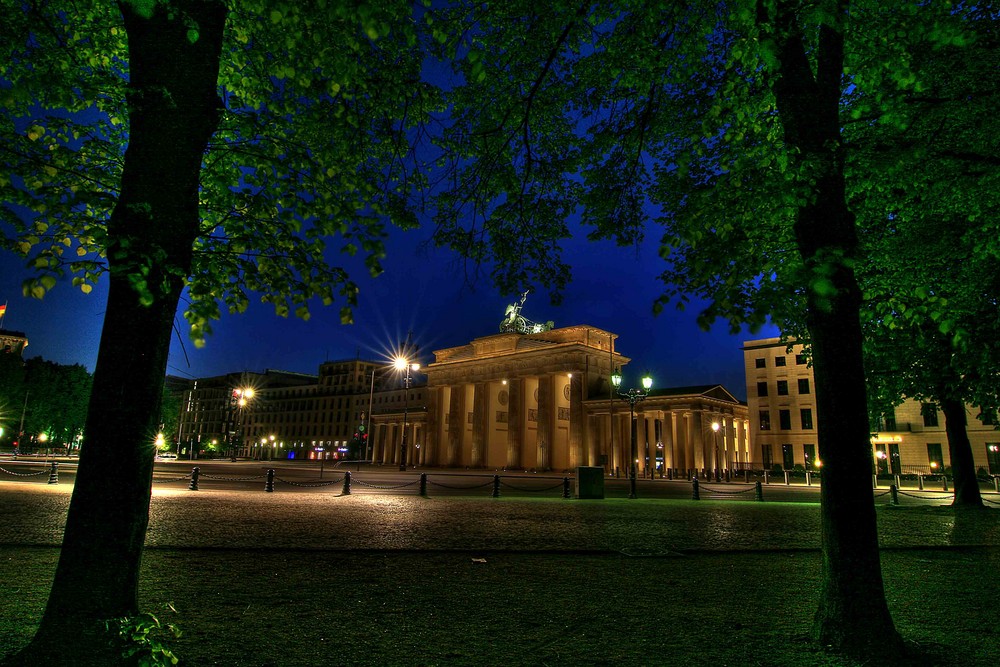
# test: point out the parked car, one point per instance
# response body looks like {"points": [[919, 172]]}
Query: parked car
{"points": [[166, 456]]}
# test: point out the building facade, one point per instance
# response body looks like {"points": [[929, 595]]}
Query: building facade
{"points": [[525, 400], [540, 401], [782, 407]]}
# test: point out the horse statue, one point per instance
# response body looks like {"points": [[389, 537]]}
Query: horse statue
{"points": [[514, 322]]}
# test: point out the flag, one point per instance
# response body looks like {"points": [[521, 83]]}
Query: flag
{"points": [[3, 310]]}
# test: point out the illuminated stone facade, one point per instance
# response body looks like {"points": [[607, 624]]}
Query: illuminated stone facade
{"points": [[540, 401], [782, 405]]}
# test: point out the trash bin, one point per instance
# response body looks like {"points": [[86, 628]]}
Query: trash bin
{"points": [[590, 482]]}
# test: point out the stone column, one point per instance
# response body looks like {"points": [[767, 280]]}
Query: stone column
{"points": [[546, 419], [577, 455], [701, 460], [516, 414], [479, 430], [685, 444], [431, 452], [667, 432], [456, 424]]}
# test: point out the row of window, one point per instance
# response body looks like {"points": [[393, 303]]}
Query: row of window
{"points": [[779, 361], [887, 458], [782, 387], [785, 419]]}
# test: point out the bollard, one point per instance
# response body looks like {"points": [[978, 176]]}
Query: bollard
{"points": [[565, 487], [269, 483], [788, 481], [423, 484], [194, 479], [996, 483], [670, 473], [893, 495], [694, 489], [898, 484], [944, 482], [54, 473], [766, 480], [758, 491], [496, 486], [347, 484], [728, 476], [874, 481], [920, 482], [809, 479], [746, 475]]}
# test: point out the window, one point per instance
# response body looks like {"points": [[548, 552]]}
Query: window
{"points": [[889, 420], [779, 361], [785, 420], [782, 387], [765, 420], [809, 457], [762, 389], [929, 412], [766, 457], [760, 362], [993, 457], [787, 457], [934, 458], [806, 414], [800, 360], [803, 385]]}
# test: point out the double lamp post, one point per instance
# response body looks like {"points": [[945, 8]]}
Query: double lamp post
{"points": [[404, 364], [632, 396]]}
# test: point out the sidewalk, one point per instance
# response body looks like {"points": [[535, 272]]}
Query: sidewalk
{"points": [[314, 579]]}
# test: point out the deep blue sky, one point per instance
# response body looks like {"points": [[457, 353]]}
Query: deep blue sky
{"points": [[422, 290]]}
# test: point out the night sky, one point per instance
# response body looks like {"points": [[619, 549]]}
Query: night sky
{"points": [[424, 289]]}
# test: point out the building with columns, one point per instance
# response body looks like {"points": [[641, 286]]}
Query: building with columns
{"points": [[541, 401]]}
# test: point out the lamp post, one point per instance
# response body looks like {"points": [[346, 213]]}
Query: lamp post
{"points": [[632, 396], [404, 364], [368, 419], [243, 396], [715, 431]]}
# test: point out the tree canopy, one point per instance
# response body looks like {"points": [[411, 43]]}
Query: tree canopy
{"points": [[311, 159]]}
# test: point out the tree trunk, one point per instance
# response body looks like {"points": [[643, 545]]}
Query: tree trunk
{"points": [[853, 616], [173, 111], [963, 466]]}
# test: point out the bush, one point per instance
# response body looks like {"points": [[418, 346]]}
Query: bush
{"points": [[143, 640]]}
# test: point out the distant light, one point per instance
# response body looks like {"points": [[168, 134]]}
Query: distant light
{"points": [[647, 383], [715, 426]]}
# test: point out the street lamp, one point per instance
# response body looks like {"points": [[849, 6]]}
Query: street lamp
{"points": [[632, 396], [404, 364], [243, 397], [715, 431]]}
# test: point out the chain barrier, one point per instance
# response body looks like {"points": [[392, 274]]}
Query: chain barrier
{"points": [[385, 488], [231, 479], [25, 474], [461, 487], [991, 502], [879, 495], [727, 493], [940, 495], [172, 479], [521, 488], [309, 484]]}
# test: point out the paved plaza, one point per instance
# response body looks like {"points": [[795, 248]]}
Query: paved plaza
{"points": [[381, 577]]}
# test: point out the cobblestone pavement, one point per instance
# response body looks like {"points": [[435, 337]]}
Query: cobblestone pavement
{"points": [[34, 514]]}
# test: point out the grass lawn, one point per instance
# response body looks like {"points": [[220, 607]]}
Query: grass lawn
{"points": [[289, 607]]}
